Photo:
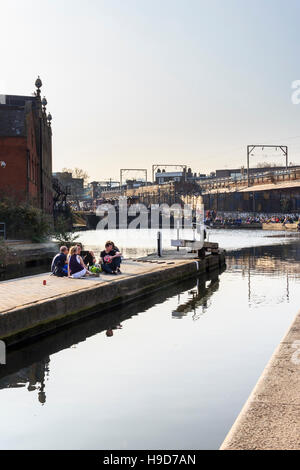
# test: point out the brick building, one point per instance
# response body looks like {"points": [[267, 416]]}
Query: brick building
{"points": [[26, 149]]}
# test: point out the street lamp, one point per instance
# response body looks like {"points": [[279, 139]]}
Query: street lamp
{"points": [[2, 164]]}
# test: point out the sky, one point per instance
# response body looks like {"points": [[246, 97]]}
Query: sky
{"points": [[131, 83]]}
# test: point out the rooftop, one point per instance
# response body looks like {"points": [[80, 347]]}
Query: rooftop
{"points": [[12, 121], [13, 109]]}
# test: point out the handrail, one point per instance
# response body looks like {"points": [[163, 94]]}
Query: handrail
{"points": [[239, 178]]}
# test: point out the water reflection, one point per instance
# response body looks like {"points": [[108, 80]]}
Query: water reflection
{"points": [[273, 261], [33, 377], [185, 357], [29, 366], [198, 299]]}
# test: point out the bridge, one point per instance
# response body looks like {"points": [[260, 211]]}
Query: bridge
{"points": [[259, 178]]}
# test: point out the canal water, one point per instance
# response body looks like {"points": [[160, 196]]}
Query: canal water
{"points": [[171, 371], [141, 242]]}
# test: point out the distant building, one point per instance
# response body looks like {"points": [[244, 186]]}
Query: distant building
{"points": [[26, 149], [162, 176], [75, 186], [134, 183], [96, 187], [237, 172]]}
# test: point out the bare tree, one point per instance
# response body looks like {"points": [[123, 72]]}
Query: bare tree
{"points": [[76, 186], [77, 173]]}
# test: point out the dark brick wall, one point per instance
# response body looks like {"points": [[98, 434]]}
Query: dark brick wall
{"points": [[28, 173], [13, 178]]}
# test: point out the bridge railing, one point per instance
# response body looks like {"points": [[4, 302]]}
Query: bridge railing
{"points": [[240, 178]]}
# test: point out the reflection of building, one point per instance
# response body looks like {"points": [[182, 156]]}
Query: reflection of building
{"points": [[33, 377], [275, 260], [26, 148]]}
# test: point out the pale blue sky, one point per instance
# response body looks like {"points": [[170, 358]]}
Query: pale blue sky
{"points": [[135, 82]]}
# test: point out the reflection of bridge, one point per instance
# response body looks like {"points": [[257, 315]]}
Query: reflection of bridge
{"points": [[199, 298]]}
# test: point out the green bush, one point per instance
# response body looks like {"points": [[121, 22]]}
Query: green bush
{"points": [[25, 222], [62, 232], [3, 253]]}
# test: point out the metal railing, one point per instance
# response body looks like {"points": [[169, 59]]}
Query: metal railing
{"points": [[238, 178]]}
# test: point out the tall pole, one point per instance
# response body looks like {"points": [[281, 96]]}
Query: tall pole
{"points": [[248, 180], [159, 245]]}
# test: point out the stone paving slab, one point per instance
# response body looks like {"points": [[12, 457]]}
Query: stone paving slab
{"points": [[20, 292], [28, 308], [268, 427]]}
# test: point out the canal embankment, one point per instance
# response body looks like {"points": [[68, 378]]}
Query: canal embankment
{"points": [[270, 419], [29, 308], [25, 254]]}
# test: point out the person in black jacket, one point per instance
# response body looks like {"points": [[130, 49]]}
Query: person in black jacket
{"points": [[59, 262], [118, 259], [89, 259], [110, 259]]}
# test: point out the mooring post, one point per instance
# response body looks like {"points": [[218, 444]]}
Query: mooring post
{"points": [[159, 244]]}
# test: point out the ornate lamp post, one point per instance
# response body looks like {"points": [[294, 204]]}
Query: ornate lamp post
{"points": [[49, 119], [44, 104], [38, 84]]}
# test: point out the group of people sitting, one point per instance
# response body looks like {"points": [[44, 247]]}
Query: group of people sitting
{"points": [[71, 263], [214, 219]]}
